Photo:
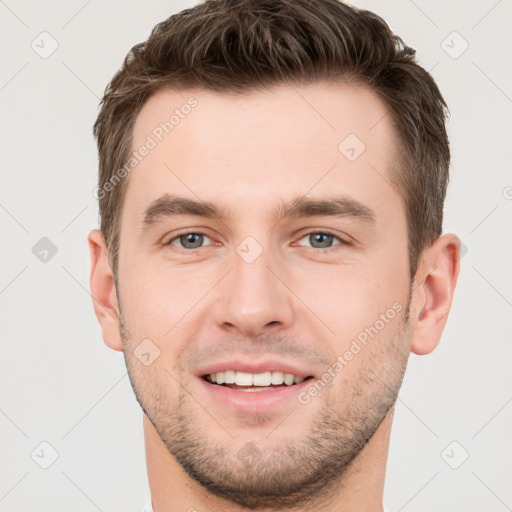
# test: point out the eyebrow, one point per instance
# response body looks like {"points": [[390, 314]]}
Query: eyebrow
{"points": [[170, 205], [338, 207]]}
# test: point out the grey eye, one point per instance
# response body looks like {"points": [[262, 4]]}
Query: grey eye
{"points": [[189, 240], [320, 240]]}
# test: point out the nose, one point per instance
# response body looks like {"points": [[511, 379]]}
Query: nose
{"points": [[253, 298]]}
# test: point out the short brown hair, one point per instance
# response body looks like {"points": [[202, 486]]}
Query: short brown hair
{"points": [[239, 46]]}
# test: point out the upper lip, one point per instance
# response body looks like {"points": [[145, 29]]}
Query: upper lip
{"points": [[240, 365]]}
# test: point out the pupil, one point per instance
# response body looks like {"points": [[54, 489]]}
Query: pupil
{"points": [[323, 239]]}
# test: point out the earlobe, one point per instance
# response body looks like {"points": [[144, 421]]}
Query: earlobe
{"points": [[432, 297], [103, 290]]}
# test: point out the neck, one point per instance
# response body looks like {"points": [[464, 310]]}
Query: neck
{"points": [[361, 487]]}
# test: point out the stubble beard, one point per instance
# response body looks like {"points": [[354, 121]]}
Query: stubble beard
{"points": [[290, 472]]}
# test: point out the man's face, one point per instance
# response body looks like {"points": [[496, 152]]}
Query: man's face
{"points": [[278, 283]]}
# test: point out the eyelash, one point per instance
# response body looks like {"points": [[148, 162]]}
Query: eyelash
{"points": [[324, 232]]}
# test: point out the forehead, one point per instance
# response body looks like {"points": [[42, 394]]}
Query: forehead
{"points": [[279, 142]]}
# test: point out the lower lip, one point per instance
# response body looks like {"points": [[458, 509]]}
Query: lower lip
{"points": [[255, 401]]}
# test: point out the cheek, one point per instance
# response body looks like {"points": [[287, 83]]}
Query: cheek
{"points": [[152, 311], [165, 307], [156, 385], [348, 299], [152, 296]]}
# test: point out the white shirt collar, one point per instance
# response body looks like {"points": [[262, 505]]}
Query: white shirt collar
{"points": [[149, 506]]}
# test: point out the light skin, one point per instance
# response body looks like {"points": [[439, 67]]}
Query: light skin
{"points": [[299, 301]]}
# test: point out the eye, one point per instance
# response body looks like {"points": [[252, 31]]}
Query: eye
{"points": [[321, 240], [189, 240]]}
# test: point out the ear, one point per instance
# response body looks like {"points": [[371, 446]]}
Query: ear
{"points": [[433, 292], [103, 290]]}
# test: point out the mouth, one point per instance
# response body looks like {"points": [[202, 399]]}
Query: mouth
{"points": [[250, 382], [254, 386]]}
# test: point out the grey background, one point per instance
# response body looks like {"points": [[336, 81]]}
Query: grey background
{"points": [[61, 385]]}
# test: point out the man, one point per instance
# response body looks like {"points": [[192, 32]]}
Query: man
{"points": [[271, 183]]}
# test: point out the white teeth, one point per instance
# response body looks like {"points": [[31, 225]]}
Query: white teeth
{"points": [[242, 379], [262, 380], [229, 377], [288, 379], [277, 378]]}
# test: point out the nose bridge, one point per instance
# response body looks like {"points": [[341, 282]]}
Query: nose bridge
{"points": [[252, 296]]}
